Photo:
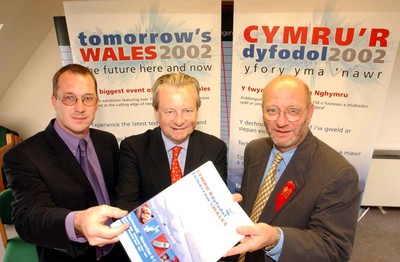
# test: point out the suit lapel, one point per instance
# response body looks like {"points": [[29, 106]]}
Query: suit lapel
{"points": [[105, 159], [64, 159], [291, 174], [157, 164], [300, 162], [195, 153], [254, 176]]}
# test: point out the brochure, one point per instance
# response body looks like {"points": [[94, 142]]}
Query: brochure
{"points": [[194, 219]]}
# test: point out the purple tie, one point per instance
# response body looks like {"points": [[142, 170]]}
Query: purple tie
{"points": [[90, 174]]}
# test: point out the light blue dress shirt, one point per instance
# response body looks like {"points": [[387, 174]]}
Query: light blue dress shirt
{"points": [[275, 252], [182, 154]]}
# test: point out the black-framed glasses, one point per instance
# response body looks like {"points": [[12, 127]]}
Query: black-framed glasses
{"points": [[292, 114], [70, 100]]}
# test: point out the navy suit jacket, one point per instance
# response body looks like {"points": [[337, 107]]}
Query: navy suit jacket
{"points": [[144, 166], [48, 183], [319, 219]]}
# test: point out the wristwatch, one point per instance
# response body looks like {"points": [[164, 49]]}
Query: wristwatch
{"points": [[278, 237]]}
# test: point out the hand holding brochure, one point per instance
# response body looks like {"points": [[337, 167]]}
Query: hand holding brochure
{"points": [[194, 219]]}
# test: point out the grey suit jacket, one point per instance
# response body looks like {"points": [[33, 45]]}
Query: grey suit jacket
{"points": [[319, 218], [48, 183], [144, 166]]}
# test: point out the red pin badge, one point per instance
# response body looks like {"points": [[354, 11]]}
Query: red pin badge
{"points": [[284, 195]]}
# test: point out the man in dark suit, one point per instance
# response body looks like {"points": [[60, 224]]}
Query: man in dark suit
{"points": [[145, 159], [311, 214], [55, 205]]}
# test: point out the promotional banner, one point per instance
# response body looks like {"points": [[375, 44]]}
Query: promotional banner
{"points": [[346, 58], [129, 44], [60, 25]]}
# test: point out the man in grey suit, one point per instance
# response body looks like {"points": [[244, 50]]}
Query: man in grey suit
{"points": [[145, 159], [56, 206], [311, 214]]}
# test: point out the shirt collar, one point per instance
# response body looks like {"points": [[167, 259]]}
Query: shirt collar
{"points": [[286, 156], [70, 140], [169, 144]]}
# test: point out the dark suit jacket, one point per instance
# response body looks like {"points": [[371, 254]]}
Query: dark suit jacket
{"points": [[144, 166], [319, 219], [48, 183]]}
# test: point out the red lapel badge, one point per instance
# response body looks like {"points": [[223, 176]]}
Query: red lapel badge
{"points": [[284, 195]]}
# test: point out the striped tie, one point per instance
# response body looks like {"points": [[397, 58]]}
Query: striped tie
{"points": [[263, 194]]}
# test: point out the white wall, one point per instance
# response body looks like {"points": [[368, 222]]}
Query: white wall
{"points": [[389, 125], [26, 106], [382, 188]]}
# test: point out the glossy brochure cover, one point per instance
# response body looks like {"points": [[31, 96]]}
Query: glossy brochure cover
{"points": [[194, 219]]}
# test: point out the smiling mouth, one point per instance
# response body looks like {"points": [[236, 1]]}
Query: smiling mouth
{"points": [[282, 131], [79, 118], [179, 128]]}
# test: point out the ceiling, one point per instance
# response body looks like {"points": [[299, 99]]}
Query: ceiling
{"points": [[26, 23]]}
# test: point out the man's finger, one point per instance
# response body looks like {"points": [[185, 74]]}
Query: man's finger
{"points": [[113, 212], [237, 197]]}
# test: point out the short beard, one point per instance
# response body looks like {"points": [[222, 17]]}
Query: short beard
{"points": [[295, 140]]}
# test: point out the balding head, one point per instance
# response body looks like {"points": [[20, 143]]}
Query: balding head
{"points": [[288, 81]]}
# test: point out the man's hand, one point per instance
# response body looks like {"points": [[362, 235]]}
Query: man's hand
{"points": [[255, 237], [91, 223], [237, 197]]}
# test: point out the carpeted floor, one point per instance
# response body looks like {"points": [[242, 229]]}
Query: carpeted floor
{"points": [[378, 236]]}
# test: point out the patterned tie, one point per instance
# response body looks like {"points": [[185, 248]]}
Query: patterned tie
{"points": [[263, 194], [176, 172], [265, 191], [89, 172]]}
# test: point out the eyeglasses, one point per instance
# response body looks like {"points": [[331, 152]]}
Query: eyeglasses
{"points": [[70, 100], [292, 114]]}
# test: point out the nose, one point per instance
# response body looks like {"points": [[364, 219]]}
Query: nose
{"points": [[79, 106], [179, 119], [282, 119]]}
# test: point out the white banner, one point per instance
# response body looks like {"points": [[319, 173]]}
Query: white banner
{"points": [[129, 44], [345, 57]]}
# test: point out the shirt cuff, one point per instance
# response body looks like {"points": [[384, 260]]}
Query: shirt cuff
{"points": [[275, 252], [69, 227]]}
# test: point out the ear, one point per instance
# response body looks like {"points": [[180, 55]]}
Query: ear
{"points": [[310, 112], [156, 114], [53, 101]]}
